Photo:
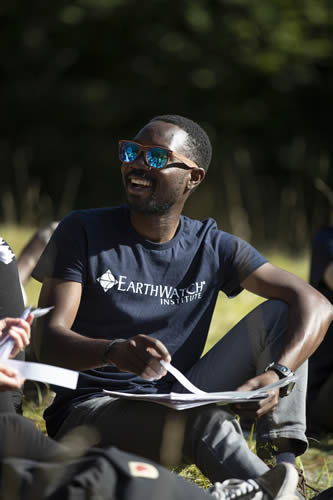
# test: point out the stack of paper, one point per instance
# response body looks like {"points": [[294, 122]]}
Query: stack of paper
{"points": [[197, 397]]}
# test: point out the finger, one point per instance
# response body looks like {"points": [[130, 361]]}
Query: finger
{"points": [[151, 351], [19, 332], [25, 326], [155, 347], [15, 323], [30, 319], [148, 366], [8, 371], [8, 383], [16, 335], [139, 367], [269, 406], [10, 378], [250, 385]]}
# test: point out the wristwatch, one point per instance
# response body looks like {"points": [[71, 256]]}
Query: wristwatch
{"points": [[283, 372]]}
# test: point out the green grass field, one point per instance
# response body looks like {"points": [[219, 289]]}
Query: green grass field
{"points": [[317, 461]]}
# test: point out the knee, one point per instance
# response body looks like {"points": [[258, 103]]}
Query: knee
{"points": [[277, 308], [273, 317]]}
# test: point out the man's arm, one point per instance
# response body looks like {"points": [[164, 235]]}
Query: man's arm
{"points": [[56, 343], [310, 313], [309, 317]]}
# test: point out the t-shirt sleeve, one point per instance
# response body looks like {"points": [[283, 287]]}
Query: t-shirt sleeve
{"points": [[65, 256], [238, 259]]}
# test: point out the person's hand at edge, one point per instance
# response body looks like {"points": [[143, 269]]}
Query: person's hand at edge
{"points": [[19, 331], [10, 379]]}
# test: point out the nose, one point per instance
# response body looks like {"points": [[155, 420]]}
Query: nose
{"points": [[140, 161]]}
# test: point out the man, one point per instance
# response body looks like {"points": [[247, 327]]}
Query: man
{"points": [[34, 466], [137, 284]]}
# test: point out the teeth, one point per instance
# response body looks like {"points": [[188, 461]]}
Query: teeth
{"points": [[141, 182]]}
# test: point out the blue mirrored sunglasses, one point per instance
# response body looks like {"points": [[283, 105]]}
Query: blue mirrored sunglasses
{"points": [[155, 156]]}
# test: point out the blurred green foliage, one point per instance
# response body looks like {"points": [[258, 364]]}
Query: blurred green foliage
{"points": [[75, 76]]}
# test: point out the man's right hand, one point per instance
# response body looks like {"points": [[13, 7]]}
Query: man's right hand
{"points": [[140, 355]]}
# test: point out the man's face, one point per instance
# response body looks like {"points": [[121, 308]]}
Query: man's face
{"points": [[151, 191]]}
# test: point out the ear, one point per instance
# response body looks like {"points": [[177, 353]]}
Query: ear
{"points": [[196, 176]]}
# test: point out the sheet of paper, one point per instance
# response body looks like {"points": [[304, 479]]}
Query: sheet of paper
{"points": [[195, 390], [181, 378], [45, 373], [196, 397], [180, 401]]}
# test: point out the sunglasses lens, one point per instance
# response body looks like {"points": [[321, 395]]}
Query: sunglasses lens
{"points": [[157, 157], [128, 152]]}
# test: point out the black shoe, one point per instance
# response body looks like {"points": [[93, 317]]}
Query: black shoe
{"points": [[278, 483], [324, 495]]}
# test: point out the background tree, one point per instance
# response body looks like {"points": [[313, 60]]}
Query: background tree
{"points": [[75, 76]]}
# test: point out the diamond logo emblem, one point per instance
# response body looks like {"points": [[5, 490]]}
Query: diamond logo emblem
{"points": [[107, 280]]}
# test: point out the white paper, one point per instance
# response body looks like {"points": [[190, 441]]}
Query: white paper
{"points": [[197, 397], [181, 378], [182, 401], [45, 373]]}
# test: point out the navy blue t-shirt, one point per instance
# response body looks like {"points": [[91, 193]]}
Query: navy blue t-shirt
{"points": [[133, 286]]}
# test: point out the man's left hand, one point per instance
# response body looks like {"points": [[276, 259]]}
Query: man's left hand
{"points": [[258, 408]]}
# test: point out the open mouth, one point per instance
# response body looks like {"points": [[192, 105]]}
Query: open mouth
{"points": [[139, 182]]}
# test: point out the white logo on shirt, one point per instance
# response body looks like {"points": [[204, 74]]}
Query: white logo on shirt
{"points": [[168, 295], [6, 255], [107, 280]]}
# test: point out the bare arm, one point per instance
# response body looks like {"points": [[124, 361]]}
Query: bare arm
{"points": [[309, 316], [30, 254], [310, 313], [56, 342]]}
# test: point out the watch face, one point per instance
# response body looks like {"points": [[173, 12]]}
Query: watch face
{"points": [[284, 369]]}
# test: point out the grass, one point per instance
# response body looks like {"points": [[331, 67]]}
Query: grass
{"points": [[318, 459]]}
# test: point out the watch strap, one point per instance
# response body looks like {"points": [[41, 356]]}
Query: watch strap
{"points": [[283, 372]]}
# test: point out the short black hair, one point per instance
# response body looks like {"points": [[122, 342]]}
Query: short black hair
{"points": [[198, 145]]}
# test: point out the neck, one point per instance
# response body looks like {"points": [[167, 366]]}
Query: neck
{"points": [[156, 228]]}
